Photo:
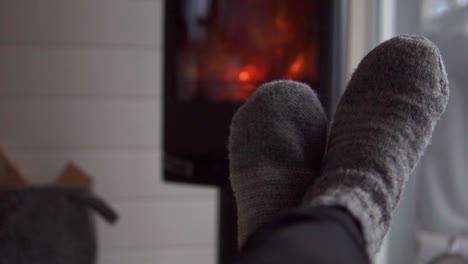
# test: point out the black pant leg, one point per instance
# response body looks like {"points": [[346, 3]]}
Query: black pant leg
{"points": [[307, 236]]}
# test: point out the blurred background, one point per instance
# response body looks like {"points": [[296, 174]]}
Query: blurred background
{"points": [[432, 220], [88, 81]]}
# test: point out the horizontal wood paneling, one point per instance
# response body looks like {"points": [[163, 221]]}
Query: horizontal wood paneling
{"points": [[80, 123], [182, 255], [118, 175], [160, 224], [112, 22], [79, 72]]}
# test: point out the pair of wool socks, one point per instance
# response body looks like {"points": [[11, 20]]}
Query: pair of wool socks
{"points": [[381, 127]]}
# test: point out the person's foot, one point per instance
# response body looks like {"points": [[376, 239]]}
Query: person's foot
{"points": [[276, 147], [382, 125]]}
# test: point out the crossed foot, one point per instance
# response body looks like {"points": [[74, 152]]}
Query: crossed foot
{"points": [[281, 157]]}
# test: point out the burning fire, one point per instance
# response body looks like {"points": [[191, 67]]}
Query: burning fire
{"points": [[268, 43], [251, 73], [244, 76], [297, 65]]}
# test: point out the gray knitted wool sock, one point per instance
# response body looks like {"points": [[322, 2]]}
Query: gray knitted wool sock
{"points": [[276, 146], [381, 127]]}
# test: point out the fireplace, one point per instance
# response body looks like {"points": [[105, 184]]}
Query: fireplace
{"points": [[226, 49], [216, 52]]}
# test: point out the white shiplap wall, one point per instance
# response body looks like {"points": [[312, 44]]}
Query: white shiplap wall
{"points": [[81, 81]]}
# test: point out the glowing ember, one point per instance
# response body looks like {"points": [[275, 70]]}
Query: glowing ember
{"points": [[244, 76], [297, 65]]}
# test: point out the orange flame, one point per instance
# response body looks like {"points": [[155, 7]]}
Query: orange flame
{"points": [[297, 65], [244, 76]]}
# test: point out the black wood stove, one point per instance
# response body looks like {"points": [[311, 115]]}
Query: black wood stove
{"points": [[216, 52]]}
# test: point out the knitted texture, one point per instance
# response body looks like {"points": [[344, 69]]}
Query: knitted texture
{"points": [[45, 225], [382, 125], [276, 145]]}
